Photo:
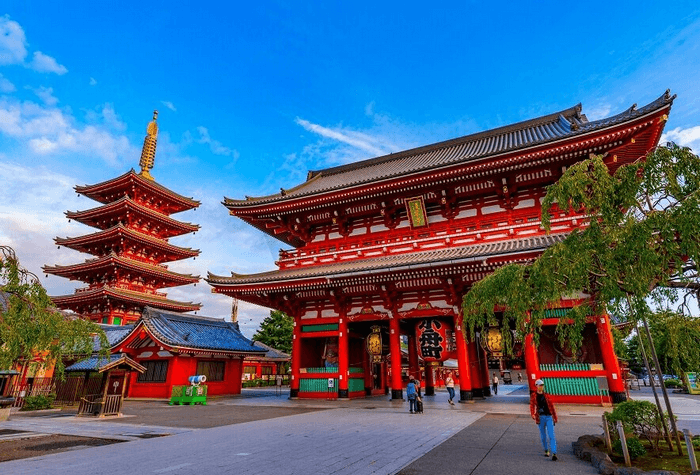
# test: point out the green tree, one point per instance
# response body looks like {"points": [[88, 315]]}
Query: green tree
{"points": [[31, 326], [641, 244], [641, 239], [676, 341], [276, 331]]}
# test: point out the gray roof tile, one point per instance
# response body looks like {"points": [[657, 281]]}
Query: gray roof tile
{"points": [[191, 331], [556, 126], [390, 263]]}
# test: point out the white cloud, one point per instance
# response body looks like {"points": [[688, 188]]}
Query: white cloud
{"points": [[6, 85], [689, 137], [599, 111], [47, 129], [46, 95], [13, 44], [169, 105], [353, 138], [93, 81], [216, 147], [46, 64]]}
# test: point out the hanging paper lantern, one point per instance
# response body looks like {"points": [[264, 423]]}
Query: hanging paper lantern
{"points": [[435, 340], [374, 344]]}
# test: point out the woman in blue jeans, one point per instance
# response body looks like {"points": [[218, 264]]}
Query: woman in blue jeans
{"points": [[543, 412]]}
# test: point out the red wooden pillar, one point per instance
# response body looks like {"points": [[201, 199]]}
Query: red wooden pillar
{"points": [[343, 357], [429, 379], [413, 368], [610, 362], [474, 369], [485, 378], [465, 381], [532, 362], [395, 349], [296, 361]]}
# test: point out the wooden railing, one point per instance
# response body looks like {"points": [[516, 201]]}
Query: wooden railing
{"points": [[90, 404], [112, 405], [93, 404]]}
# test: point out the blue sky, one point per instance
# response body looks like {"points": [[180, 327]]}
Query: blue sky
{"points": [[251, 97]]}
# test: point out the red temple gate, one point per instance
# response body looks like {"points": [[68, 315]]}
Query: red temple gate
{"points": [[392, 241]]}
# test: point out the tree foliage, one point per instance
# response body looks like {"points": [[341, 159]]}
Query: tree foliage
{"points": [[641, 240], [31, 328], [677, 342], [276, 331]]}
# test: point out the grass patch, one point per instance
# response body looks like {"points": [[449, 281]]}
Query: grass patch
{"points": [[664, 461]]}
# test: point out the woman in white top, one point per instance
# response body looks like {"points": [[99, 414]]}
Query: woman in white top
{"points": [[450, 385]]}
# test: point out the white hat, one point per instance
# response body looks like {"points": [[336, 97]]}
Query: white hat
{"points": [[539, 382]]}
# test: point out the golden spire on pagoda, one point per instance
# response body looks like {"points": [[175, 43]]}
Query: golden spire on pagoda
{"points": [[148, 154]]}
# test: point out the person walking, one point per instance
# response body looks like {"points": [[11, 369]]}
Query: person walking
{"points": [[450, 385], [411, 394], [494, 384], [543, 412], [419, 398], [520, 377]]}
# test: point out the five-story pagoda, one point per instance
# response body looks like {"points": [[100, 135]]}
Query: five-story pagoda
{"points": [[130, 247]]}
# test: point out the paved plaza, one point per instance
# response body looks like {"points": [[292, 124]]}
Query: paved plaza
{"points": [[493, 436]]}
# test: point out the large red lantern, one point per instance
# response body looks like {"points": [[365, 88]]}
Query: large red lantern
{"points": [[435, 340]]}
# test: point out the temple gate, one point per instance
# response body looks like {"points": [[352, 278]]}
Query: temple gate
{"points": [[382, 246]]}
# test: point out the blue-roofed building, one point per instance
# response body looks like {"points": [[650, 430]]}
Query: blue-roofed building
{"points": [[266, 367], [173, 346]]}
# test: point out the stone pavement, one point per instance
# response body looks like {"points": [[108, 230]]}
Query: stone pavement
{"points": [[506, 444], [375, 435], [338, 441]]}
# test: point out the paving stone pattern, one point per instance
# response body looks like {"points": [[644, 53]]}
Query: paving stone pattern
{"points": [[339, 441]]}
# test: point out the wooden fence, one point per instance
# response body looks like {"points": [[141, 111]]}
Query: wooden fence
{"points": [[68, 392]]}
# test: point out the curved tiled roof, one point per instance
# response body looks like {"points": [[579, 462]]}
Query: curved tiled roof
{"points": [[272, 353], [114, 333], [125, 295], [113, 260], [396, 262], [122, 231], [125, 203], [191, 331], [565, 124], [101, 364], [97, 190]]}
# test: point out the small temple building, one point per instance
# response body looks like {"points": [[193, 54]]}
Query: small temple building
{"points": [[266, 366], [387, 247], [170, 347], [131, 246]]}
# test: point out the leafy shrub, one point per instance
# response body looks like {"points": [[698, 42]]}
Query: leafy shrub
{"points": [[634, 447], [696, 442], [673, 383], [641, 418], [36, 403]]}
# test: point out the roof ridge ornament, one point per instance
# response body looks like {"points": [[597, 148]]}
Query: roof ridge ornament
{"points": [[148, 153]]}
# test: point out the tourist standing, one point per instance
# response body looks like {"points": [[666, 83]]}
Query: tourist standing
{"points": [[543, 412], [494, 384], [411, 394], [450, 385], [419, 398]]}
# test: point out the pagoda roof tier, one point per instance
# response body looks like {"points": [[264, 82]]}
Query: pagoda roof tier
{"points": [[111, 190], [100, 239], [381, 175], [118, 210], [82, 296], [379, 267], [111, 261]]}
